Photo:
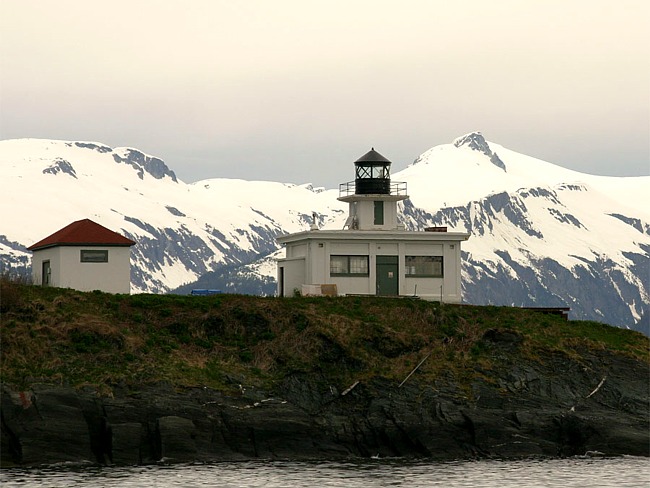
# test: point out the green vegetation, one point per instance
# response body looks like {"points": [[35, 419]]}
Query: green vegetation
{"points": [[100, 339]]}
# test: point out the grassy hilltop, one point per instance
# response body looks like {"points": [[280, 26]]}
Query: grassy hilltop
{"points": [[99, 339]]}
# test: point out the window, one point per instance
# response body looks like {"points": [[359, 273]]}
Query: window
{"points": [[380, 171], [430, 266], [379, 212], [363, 172], [348, 265], [93, 256], [376, 172]]}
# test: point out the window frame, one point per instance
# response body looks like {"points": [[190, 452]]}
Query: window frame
{"points": [[348, 265], [363, 172], [417, 273], [84, 253]]}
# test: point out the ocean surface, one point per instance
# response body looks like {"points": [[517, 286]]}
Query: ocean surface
{"points": [[573, 472]]}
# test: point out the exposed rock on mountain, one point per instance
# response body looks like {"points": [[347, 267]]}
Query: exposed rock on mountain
{"points": [[141, 162], [476, 142], [541, 235]]}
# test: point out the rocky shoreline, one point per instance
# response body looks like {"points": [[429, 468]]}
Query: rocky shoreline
{"points": [[561, 406]]}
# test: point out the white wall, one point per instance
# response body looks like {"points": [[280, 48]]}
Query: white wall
{"points": [[52, 254], [424, 287], [69, 272], [294, 276], [296, 250], [315, 256], [452, 284], [365, 212]]}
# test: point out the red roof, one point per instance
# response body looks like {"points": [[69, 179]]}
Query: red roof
{"points": [[83, 232]]}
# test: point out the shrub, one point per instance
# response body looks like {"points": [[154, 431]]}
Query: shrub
{"points": [[11, 295]]}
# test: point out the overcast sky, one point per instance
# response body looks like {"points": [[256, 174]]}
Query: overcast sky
{"points": [[295, 91]]}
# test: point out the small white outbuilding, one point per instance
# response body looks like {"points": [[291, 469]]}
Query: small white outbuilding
{"points": [[373, 254], [84, 256]]}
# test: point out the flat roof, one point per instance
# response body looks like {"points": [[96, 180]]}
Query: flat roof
{"points": [[373, 235]]}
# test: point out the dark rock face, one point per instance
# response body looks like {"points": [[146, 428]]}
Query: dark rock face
{"points": [[598, 289], [634, 222], [100, 148], [476, 142], [61, 166], [52, 426], [562, 407], [145, 164]]}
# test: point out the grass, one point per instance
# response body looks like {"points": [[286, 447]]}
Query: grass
{"points": [[100, 339]]}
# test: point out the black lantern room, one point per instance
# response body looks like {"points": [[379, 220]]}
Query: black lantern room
{"points": [[372, 174]]}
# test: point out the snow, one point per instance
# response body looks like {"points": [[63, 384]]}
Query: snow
{"points": [[218, 201], [447, 176], [34, 204]]}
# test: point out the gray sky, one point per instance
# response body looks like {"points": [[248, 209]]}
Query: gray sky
{"points": [[295, 91]]}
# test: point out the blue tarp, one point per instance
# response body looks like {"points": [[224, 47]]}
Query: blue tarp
{"points": [[203, 291]]}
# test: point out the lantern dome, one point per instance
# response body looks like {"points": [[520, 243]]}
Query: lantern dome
{"points": [[372, 174]]}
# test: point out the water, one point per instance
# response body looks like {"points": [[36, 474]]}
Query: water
{"points": [[565, 473]]}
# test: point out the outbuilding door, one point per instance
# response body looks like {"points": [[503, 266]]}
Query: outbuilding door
{"points": [[387, 275], [47, 274]]}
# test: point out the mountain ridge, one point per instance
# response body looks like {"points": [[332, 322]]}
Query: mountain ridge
{"points": [[539, 231]]}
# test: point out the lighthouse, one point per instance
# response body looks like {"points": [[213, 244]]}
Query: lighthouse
{"points": [[373, 254], [372, 197]]}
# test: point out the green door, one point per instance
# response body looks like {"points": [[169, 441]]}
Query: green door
{"points": [[387, 276]]}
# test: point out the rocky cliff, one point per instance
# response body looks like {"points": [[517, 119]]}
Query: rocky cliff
{"points": [[119, 379], [568, 406]]}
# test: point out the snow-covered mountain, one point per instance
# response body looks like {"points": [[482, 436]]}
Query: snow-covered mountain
{"points": [[182, 230], [542, 235]]}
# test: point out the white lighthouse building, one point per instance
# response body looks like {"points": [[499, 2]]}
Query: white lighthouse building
{"points": [[373, 254]]}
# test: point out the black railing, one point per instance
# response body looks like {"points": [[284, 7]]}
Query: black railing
{"points": [[393, 187]]}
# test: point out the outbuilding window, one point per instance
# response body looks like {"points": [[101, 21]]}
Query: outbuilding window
{"points": [[348, 265], [94, 256], [426, 266]]}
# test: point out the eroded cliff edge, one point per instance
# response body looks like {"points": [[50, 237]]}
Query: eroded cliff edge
{"points": [[598, 404]]}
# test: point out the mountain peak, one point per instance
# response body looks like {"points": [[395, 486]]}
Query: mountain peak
{"points": [[142, 163], [476, 142]]}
